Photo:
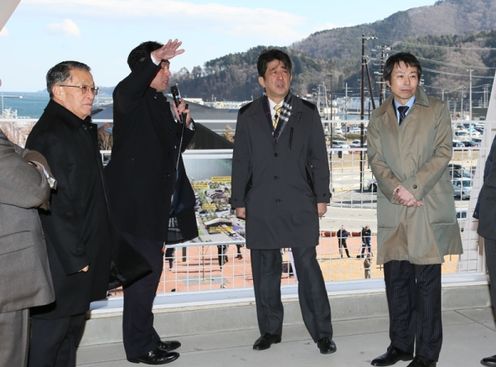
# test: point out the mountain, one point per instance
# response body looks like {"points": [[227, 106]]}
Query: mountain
{"points": [[448, 17], [448, 37]]}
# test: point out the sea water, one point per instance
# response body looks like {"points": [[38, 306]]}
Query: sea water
{"points": [[27, 104]]}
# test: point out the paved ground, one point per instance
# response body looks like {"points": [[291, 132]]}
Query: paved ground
{"points": [[469, 335]]}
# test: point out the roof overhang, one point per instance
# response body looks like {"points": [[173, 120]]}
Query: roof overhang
{"points": [[7, 7]]}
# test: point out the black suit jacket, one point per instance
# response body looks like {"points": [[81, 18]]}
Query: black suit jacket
{"points": [[77, 225], [485, 209], [142, 173]]}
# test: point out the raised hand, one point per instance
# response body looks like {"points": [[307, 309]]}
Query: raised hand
{"points": [[168, 51]]}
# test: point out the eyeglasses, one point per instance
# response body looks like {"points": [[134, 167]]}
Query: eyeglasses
{"points": [[83, 88]]}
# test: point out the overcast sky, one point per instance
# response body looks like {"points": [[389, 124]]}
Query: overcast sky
{"points": [[41, 33]]}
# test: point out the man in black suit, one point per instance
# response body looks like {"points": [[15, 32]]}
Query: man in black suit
{"points": [[151, 198], [77, 225], [485, 211], [280, 185]]}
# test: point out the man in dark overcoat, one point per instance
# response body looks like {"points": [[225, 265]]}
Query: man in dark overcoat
{"points": [[151, 197], [485, 211], [280, 185], [25, 279], [77, 224]]}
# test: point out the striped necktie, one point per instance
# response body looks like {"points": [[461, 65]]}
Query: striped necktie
{"points": [[402, 110], [275, 120]]}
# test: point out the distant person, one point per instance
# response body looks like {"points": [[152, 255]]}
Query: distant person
{"points": [[409, 148], [342, 235], [151, 197], [77, 227], [169, 256], [280, 185], [239, 255], [25, 279], [366, 236], [367, 264], [485, 211], [222, 255]]}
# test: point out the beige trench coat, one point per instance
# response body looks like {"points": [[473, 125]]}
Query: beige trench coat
{"points": [[415, 155]]}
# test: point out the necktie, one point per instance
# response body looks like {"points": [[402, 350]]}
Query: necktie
{"points": [[402, 110], [275, 120]]}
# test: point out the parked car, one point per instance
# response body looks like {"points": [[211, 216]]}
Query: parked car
{"points": [[476, 141], [461, 213], [462, 188], [357, 144], [340, 144], [457, 171]]}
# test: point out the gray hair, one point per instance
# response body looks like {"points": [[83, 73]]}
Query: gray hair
{"points": [[61, 72]]}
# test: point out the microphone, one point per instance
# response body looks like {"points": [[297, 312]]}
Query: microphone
{"points": [[176, 96]]}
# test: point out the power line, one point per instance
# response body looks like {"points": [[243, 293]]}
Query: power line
{"points": [[455, 65], [447, 47], [456, 74]]}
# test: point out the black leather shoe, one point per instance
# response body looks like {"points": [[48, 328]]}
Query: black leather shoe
{"points": [[326, 345], [168, 345], [265, 341], [391, 356], [421, 362], [155, 357], [489, 361]]}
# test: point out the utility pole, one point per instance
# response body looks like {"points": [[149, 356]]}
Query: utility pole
{"points": [[371, 94], [362, 105], [380, 74], [330, 96], [485, 88], [470, 94], [461, 103]]}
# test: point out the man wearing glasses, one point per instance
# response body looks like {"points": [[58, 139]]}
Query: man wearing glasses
{"points": [[77, 225]]}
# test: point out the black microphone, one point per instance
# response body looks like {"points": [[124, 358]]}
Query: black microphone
{"points": [[176, 96]]}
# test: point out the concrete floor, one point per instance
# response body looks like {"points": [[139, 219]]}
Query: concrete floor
{"points": [[469, 335], [223, 334]]}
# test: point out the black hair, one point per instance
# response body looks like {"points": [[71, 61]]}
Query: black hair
{"points": [[271, 55], [140, 52], [61, 72], [395, 59]]}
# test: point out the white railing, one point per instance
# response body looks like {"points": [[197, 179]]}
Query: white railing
{"points": [[196, 266], [201, 265]]}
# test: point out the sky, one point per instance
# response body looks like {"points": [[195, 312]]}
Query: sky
{"points": [[100, 33]]}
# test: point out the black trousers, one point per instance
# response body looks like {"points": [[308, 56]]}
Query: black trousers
{"points": [[414, 301], [139, 334], [490, 247], [365, 246], [54, 342], [314, 302], [342, 245]]}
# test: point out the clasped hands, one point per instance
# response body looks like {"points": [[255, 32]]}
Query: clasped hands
{"points": [[405, 197]]}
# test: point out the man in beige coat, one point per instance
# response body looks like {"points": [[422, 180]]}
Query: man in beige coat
{"points": [[409, 148], [24, 272]]}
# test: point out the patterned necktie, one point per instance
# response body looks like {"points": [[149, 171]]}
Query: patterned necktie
{"points": [[275, 120], [402, 110]]}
